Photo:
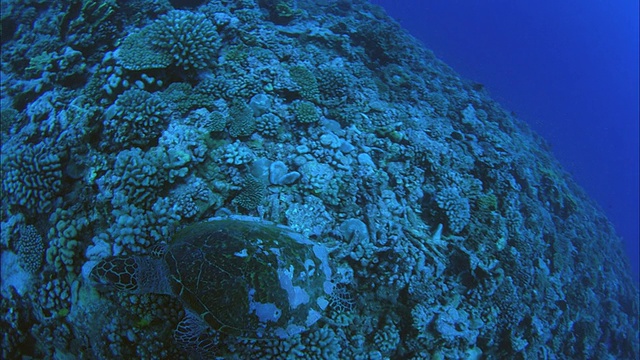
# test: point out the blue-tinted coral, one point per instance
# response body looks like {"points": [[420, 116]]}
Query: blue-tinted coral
{"points": [[318, 344], [185, 97], [190, 38], [89, 24], [306, 81], [111, 79], [32, 177], [306, 112], [251, 194], [456, 206], [317, 176], [138, 53], [179, 148], [323, 343], [54, 299], [241, 120], [135, 229], [211, 121], [65, 66], [182, 38], [268, 125], [236, 154], [30, 248], [135, 178], [136, 119], [66, 240], [334, 83], [192, 198], [387, 339], [309, 217]]}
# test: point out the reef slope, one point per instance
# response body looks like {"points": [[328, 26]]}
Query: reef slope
{"points": [[453, 231]]}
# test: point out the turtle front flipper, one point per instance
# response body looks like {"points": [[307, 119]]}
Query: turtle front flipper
{"points": [[196, 336], [133, 274]]}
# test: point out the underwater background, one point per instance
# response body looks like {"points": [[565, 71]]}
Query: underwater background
{"points": [[569, 69], [399, 208]]}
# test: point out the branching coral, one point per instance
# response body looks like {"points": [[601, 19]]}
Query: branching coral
{"points": [[136, 119], [182, 38]]}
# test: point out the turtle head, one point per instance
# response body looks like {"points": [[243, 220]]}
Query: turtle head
{"points": [[133, 274], [119, 273]]}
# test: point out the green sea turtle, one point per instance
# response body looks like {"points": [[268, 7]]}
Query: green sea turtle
{"points": [[237, 275]]}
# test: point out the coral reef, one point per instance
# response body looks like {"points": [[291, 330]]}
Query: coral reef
{"points": [[136, 119], [251, 194], [306, 112], [182, 38], [66, 241], [455, 206], [451, 229], [30, 249], [307, 82], [32, 177]]}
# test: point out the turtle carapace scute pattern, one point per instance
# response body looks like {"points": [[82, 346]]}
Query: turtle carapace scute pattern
{"points": [[242, 276]]}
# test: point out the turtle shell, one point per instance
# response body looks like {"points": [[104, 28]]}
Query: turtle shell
{"points": [[251, 278]]}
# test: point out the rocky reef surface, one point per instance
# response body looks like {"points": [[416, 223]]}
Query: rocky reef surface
{"points": [[453, 231]]}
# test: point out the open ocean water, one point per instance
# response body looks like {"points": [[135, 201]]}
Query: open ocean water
{"points": [[569, 69]]}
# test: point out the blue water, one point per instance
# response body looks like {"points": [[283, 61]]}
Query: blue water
{"points": [[568, 68]]}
